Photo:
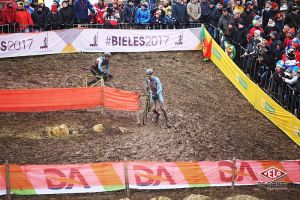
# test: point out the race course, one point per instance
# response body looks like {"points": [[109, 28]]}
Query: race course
{"points": [[211, 121]]}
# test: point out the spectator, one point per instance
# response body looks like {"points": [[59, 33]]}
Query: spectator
{"points": [[225, 19], [257, 37], [256, 26], [119, 11], [23, 18], [274, 10], [237, 18], [238, 7], [271, 26], [279, 20], [143, 14], [56, 3], [266, 13], [230, 49], [276, 46], [1, 15], [179, 13], [162, 11], [54, 20], [67, 14], [193, 11], [289, 37], [111, 17], [157, 21], [81, 8], [277, 77], [100, 9], [250, 53], [168, 17], [283, 32], [205, 10], [293, 18], [260, 6], [239, 36], [247, 15], [28, 7], [39, 18], [291, 4], [129, 12], [9, 16], [214, 20], [293, 79], [45, 8]]}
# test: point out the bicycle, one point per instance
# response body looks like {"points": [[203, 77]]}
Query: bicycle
{"points": [[87, 79]]}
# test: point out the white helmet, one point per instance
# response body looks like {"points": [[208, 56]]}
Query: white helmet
{"points": [[107, 54], [149, 71]]}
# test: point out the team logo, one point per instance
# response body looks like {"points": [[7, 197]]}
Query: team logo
{"points": [[273, 173], [95, 41], [180, 38], [45, 45]]}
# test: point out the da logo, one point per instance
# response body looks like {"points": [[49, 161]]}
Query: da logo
{"points": [[145, 176], [273, 173], [267, 106], [243, 171], [56, 179], [241, 81]]}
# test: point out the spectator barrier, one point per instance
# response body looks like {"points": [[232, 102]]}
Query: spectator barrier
{"points": [[41, 100], [98, 40], [104, 177], [284, 120]]}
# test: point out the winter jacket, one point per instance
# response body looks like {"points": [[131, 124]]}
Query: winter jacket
{"points": [[142, 16], [292, 20], [239, 36], [129, 14], [215, 16], [205, 9], [179, 12], [9, 15], [100, 9], [24, 19], [193, 11], [54, 18], [67, 14], [39, 19], [224, 21], [1, 17], [81, 8], [247, 17]]}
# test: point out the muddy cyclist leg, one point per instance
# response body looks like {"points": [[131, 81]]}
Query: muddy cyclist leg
{"points": [[154, 109]]}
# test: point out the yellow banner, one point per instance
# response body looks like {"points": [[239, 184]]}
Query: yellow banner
{"points": [[283, 119]]}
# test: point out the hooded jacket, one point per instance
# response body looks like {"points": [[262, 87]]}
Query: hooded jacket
{"points": [[179, 12]]}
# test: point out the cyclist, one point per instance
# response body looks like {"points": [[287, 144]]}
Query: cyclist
{"points": [[102, 68], [154, 89]]}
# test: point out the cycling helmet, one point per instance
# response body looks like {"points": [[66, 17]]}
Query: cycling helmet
{"points": [[107, 54], [149, 71]]}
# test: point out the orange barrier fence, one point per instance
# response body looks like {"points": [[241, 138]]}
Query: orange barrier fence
{"points": [[104, 177], [52, 99]]}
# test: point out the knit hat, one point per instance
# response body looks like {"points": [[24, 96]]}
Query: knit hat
{"points": [[280, 64], [292, 31], [258, 32], [248, 3], [145, 4], [274, 33], [274, 5]]}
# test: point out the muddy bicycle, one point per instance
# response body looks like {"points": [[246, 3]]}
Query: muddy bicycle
{"points": [[87, 79], [146, 107]]}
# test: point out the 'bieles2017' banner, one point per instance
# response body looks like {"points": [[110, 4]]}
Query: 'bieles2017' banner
{"points": [[95, 40], [103, 177]]}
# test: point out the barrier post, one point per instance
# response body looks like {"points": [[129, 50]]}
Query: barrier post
{"points": [[233, 172], [7, 178], [127, 190]]}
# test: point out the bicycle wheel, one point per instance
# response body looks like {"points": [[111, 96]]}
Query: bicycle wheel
{"points": [[146, 110], [74, 81]]}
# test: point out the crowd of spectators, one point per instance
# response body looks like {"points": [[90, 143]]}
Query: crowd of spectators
{"points": [[256, 34]]}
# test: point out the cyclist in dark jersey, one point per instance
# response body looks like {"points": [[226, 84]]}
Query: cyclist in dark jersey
{"points": [[154, 88]]}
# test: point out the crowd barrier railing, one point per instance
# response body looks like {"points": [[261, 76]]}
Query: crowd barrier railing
{"points": [[15, 28], [283, 94], [113, 176]]}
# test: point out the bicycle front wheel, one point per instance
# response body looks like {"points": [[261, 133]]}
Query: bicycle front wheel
{"points": [[74, 81]]}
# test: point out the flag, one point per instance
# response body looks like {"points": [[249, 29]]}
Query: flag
{"points": [[207, 46]]}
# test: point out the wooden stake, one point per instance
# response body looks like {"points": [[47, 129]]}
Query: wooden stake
{"points": [[127, 191], [8, 197], [233, 172]]}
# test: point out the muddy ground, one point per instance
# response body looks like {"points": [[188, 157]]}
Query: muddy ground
{"points": [[211, 121]]}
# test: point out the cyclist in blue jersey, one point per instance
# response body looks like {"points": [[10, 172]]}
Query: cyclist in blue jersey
{"points": [[154, 89], [101, 67]]}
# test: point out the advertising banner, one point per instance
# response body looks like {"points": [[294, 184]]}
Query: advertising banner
{"points": [[60, 179], [98, 40], [2, 180]]}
